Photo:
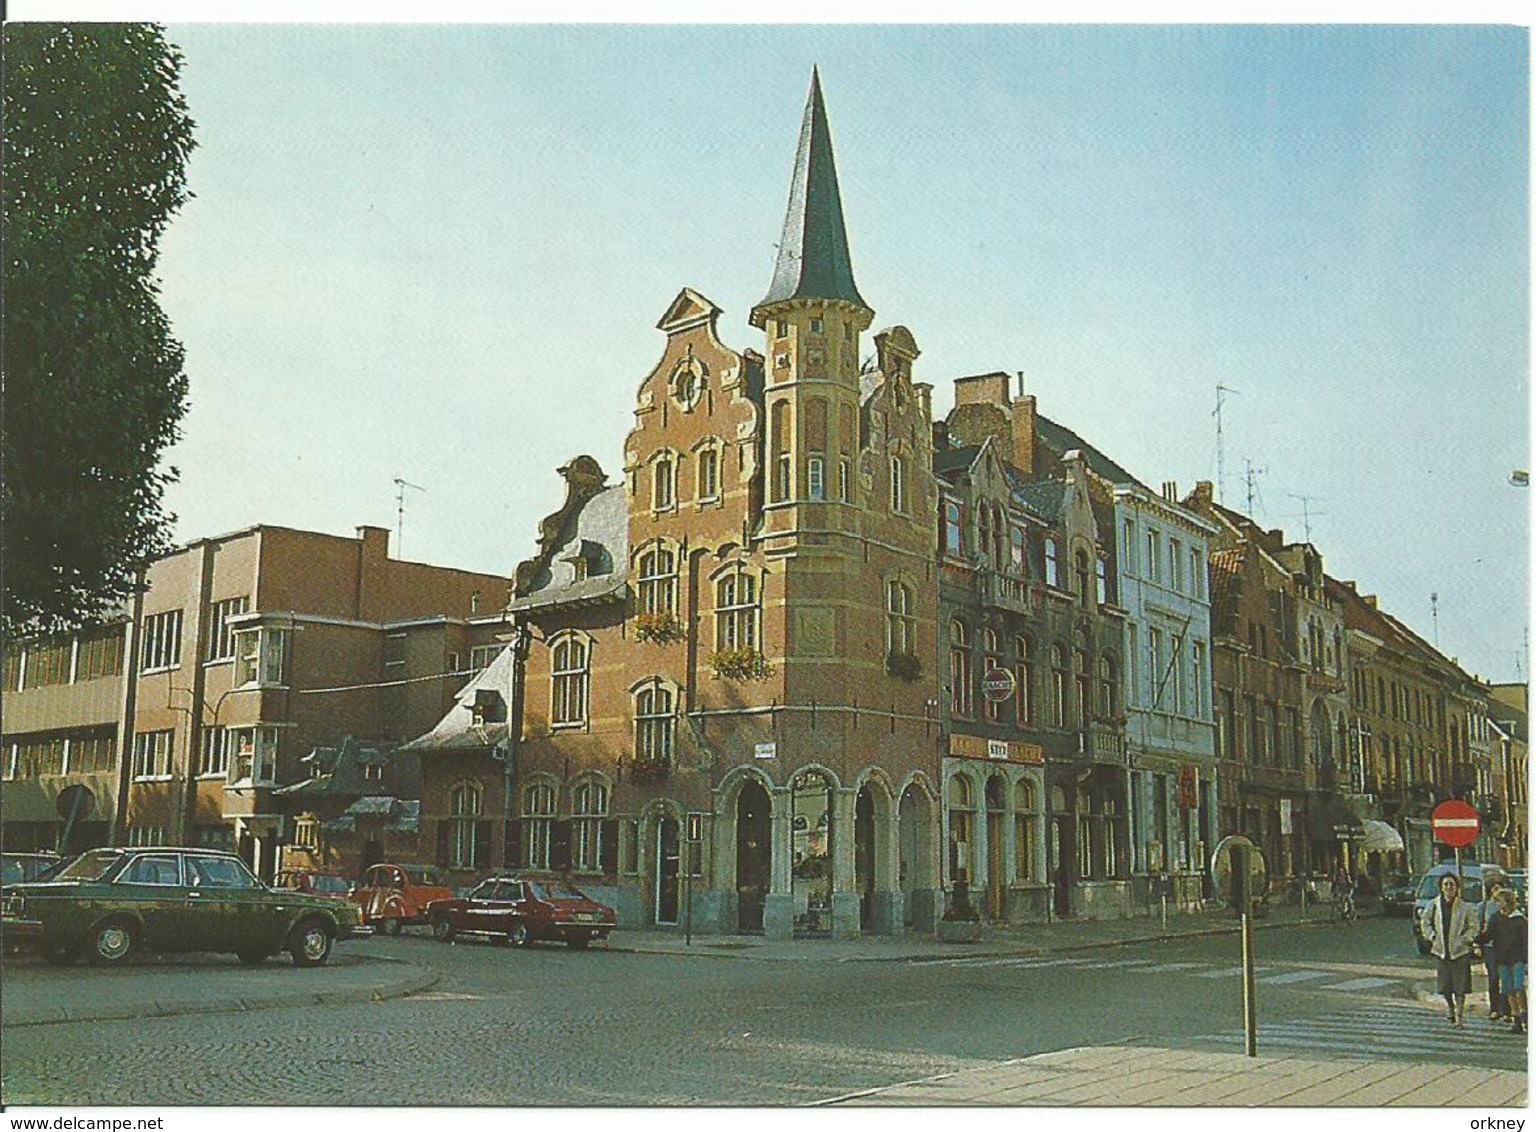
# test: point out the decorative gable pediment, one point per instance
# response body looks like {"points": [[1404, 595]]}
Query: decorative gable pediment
{"points": [[689, 310]]}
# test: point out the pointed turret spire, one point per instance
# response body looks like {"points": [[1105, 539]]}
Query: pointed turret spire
{"points": [[813, 254]]}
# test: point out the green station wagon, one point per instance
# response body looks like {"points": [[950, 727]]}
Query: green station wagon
{"points": [[109, 903]]}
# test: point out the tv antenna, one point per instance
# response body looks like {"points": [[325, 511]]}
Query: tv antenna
{"points": [[1307, 513], [1221, 450], [1251, 479], [400, 486], [1434, 617]]}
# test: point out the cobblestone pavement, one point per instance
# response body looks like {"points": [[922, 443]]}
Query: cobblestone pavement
{"points": [[650, 1020]]}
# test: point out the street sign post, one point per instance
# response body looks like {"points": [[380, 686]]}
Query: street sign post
{"points": [[1457, 824], [1239, 873]]}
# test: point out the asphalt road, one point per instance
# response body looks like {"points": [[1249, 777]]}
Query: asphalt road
{"points": [[548, 1026]]}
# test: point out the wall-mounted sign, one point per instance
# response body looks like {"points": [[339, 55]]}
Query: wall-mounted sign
{"points": [[977, 747], [766, 750], [997, 685]]}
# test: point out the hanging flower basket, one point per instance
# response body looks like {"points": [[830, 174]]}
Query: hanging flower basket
{"points": [[740, 664], [903, 665], [658, 628]]}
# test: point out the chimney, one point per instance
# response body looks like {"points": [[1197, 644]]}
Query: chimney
{"points": [[372, 553], [1024, 435], [1369, 599], [983, 389], [1204, 495], [1171, 490], [924, 393]]}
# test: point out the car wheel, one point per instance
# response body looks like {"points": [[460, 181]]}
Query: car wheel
{"points": [[252, 958], [389, 925], [113, 942], [517, 934], [578, 942], [442, 929], [310, 943], [60, 954]]}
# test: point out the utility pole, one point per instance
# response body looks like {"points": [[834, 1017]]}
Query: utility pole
{"points": [[400, 486], [1221, 449]]}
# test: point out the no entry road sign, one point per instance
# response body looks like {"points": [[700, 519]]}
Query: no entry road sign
{"points": [[1455, 823]]}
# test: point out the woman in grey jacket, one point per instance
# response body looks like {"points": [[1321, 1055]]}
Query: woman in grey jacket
{"points": [[1450, 925]]}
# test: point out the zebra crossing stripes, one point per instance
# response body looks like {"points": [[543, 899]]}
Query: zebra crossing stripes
{"points": [[1385, 1029], [1267, 975], [1292, 977], [1367, 982]]}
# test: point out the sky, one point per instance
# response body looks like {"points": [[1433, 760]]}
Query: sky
{"points": [[438, 253]]}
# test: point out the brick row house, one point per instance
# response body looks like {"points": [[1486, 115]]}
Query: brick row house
{"points": [[816, 658], [242, 654], [800, 660], [1420, 728]]}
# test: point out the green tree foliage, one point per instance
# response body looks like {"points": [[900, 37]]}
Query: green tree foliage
{"points": [[96, 142]]}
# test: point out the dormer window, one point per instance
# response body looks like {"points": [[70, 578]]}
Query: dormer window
{"points": [[373, 772], [816, 326]]}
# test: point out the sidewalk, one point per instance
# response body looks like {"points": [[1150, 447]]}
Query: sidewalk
{"points": [[1146, 1077], [996, 939]]}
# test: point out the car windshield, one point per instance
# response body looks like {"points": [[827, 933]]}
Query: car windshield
{"points": [[20, 868], [556, 891], [421, 876], [91, 865]]}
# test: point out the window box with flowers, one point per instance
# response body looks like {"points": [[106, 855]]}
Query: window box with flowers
{"points": [[903, 665], [649, 770], [659, 628], [740, 664]]}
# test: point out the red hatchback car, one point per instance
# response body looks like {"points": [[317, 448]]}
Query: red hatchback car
{"points": [[392, 895], [522, 910]]}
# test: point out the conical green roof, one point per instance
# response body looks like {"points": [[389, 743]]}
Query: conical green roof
{"points": [[813, 254]]}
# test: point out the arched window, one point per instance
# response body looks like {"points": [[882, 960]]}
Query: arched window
{"points": [[984, 531], [1084, 594], [1101, 581], [1082, 686], [1016, 550], [709, 473], [782, 466], [657, 586], [999, 538], [1026, 825], [1024, 678], [655, 721], [1052, 564], [569, 669], [900, 623], [962, 801], [467, 840], [1109, 694], [954, 530], [1059, 715], [663, 484], [736, 610], [961, 699], [589, 808], [898, 485], [993, 659], [538, 824]]}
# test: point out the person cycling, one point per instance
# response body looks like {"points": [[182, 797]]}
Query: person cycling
{"points": [[1344, 893]]}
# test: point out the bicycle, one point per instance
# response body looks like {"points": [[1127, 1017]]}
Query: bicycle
{"points": [[1344, 907]]}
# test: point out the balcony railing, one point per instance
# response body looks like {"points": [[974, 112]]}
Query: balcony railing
{"points": [[1000, 591]]}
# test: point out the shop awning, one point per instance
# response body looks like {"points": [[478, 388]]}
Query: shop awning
{"points": [[1379, 837]]}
